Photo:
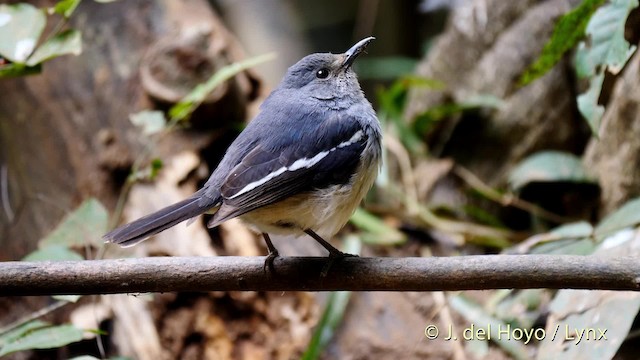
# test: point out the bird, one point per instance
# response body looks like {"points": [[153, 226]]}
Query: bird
{"points": [[301, 166]]}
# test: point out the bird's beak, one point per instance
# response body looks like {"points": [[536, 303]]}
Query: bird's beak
{"points": [[352, 54]]}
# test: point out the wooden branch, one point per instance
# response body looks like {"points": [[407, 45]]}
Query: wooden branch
{"points": [[165, 274]]}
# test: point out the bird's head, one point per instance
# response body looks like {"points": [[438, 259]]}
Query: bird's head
{"points": [[326, 76]]}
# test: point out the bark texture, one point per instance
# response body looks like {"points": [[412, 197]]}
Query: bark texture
{"points": [[614, 158]]}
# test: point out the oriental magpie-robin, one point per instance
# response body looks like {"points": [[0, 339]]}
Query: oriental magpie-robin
{"points": [[301, 166]]}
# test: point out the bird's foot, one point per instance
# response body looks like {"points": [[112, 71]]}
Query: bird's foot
{"points": [[334, 256], [268, 262]]}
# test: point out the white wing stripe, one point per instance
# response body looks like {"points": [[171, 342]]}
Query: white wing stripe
{"points": [[297, 165]]}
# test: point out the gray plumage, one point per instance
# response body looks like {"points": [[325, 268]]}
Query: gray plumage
{"points": [[302, 165]]}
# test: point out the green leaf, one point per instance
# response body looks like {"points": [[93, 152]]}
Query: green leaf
{"points": [[44, 338], [476, 315], [576, 230], [385, 68], [607, 49], [18, 332], [66, 7], [548, 166], [522, 307], [67, 42], [82, 227], [190, 102], [588, 104], [569, 239], [147, 173], [149, 121], [568, 30], [17, 69], [627, 215], [20, 28], [333, 311], [607, 45], [156, 166], [376, 231], [610, 311], [53, 253]]}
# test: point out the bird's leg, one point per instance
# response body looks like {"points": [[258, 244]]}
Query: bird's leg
{"points": [[334, 254], [273, 253]]}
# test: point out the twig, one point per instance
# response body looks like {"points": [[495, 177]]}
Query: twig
{"points": [[165, 274], [34, 315], [506, 199]]}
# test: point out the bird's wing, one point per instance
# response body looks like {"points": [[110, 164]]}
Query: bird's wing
{"points": [[314, 160]]}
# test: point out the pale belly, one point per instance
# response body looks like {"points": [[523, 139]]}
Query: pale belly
{"points": [[324, 212]]}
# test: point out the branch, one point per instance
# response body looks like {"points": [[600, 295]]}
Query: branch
{"points": [[166, 274]]}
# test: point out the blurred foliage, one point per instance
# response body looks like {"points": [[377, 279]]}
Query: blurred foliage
{"points": [[375, 231], [42, 337], [569, 29], [80, 229], [185, 107], [547, 166], [22, 49], [606, 50], [392, 102]]}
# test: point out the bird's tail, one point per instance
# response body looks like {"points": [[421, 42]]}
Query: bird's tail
{"points": [[141, 229]]}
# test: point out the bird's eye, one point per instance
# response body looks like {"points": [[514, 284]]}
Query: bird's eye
{"points": [[322, 73]]}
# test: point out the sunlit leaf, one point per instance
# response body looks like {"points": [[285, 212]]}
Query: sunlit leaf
{"points": [[548, 166], [626, 216], [568, 30], [149, 121], [67, 42], [44, 338], [82, 227], [20, 28], [606, 49], [66, 7], [607, 45]]}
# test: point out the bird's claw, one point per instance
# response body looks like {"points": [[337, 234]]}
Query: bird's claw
{"points": [[268, 262], [333, 257]]}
